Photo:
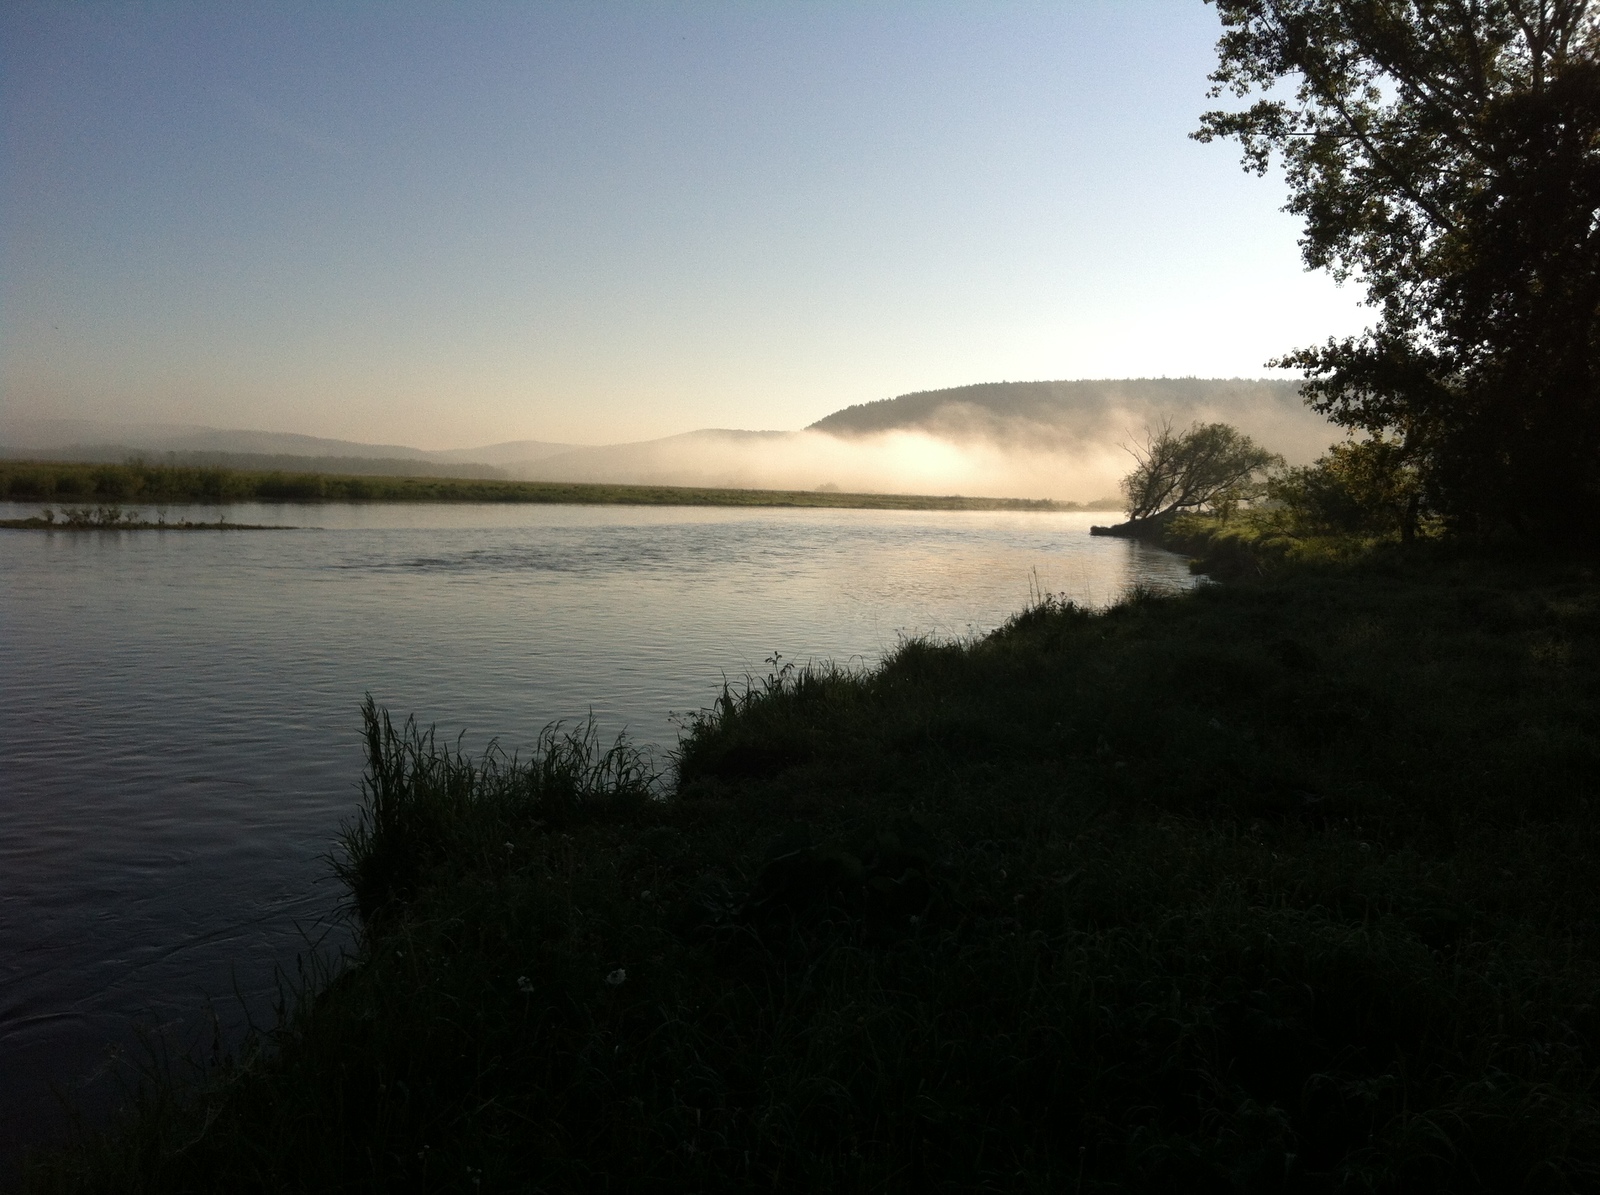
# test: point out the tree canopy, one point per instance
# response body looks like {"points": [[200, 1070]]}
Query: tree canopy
{"points": [[1208, 465], [1445, 155]]}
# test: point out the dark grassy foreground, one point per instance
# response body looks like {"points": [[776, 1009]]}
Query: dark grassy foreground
{"points": [[142, 483], [1284, 885]]}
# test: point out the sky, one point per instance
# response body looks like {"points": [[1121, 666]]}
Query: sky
{"points": [[452, 224]]}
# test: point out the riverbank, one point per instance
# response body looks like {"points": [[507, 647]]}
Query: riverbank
{"points": [[1249, 544], [143, 484], [1283, 884]]}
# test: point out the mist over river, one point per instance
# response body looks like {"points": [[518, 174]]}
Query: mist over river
{"points": [[181, 722]]}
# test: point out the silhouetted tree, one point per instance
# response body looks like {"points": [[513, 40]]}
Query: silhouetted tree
{"points": [[1444, 154], [1210, 465]]}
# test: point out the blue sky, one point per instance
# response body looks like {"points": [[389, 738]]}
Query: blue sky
{"points": [[450, 224]]}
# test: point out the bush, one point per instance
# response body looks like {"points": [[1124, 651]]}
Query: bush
{"points": [[27, 482], [1358, 488]]}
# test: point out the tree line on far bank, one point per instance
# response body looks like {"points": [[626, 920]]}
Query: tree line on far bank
{"points": [[154, 485], [135, 481]]}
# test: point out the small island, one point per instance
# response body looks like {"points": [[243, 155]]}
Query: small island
{"points": [[115, 518]]}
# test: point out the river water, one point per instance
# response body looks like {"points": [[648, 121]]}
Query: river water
{"points": [[180, 709]]}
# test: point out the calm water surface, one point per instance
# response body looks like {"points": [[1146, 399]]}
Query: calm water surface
{"points": [[180, 709]]}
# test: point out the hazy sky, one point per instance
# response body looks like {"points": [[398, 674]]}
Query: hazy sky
{"points": [[445, 224]]}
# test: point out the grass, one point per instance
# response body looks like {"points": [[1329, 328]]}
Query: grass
{"points": [[137, 482], [1255, 541], [1283, 885]]}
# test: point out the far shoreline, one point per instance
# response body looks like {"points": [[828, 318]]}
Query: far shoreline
{"points": [[73, 483]]}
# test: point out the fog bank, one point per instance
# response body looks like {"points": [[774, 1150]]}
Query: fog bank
{"points": [[887, 462], [1062, 440]]}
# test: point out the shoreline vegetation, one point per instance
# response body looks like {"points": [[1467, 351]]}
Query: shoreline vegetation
{"points": [[1281, 884], [146, 484], [1261, 541]]}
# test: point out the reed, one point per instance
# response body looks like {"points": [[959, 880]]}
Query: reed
{"points": [[424, 800]]}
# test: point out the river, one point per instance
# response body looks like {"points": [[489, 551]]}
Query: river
{"points": [[180, 709]]}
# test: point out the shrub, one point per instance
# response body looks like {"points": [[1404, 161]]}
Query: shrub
{"points": [[1365, 487]]}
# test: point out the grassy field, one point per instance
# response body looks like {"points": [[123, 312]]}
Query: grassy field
{"points": [[46, 481], [1284, 885]]}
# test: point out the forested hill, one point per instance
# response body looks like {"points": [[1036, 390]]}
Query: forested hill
{"points": [[1053, 402], [1067, 413]]}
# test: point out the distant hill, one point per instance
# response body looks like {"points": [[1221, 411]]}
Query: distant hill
{"points": [[188, 444], [360, 466], [34, 435], [1066, 416], [710, 457], [511, 452]]}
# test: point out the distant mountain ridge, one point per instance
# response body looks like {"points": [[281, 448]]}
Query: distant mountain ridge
{"points": [[277, 462], [188, 444], [512, 452], [1072, 417], [1057, 439], [712, 457], [35, 435], [1078, 410]]}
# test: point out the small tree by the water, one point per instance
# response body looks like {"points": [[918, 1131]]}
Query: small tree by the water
{"points": [[1212, 466]]}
